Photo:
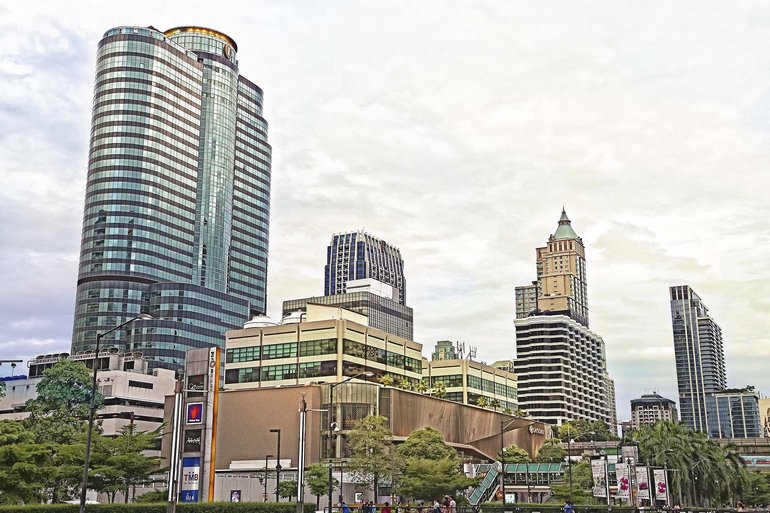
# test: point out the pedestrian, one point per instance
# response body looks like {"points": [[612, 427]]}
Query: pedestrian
{"points": [[568, 507], [385, 508], [345, 507], [452, 505], [436, 506], [740, 506]]}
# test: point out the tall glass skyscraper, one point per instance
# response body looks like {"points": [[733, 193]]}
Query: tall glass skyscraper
{"points": [[177, 206], [358, 255], [700, 360]]}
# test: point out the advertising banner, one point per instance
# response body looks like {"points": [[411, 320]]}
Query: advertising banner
{"points": [[194, 413], [624, 482], [661, 484], [643, 483], [192, 440], [191, 472], [599, 471]]}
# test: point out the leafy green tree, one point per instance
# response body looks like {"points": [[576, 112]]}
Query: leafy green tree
{"points": [[57, 414], [494, 404], [426, 443], [422, 386], [426, 479], [387, 380], [23, 465], [153, 496], [430, 468], [582, 485], [482, 401], [551, 452], [372, 455], [583, 430], [405, 384], [317, 478], [124, 464], [287, 489], [757, 491], [515, 454]]}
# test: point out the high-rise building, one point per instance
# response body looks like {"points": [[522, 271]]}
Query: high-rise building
{"points": [[358, 255], [561, 274], [560, 364], [700, 362], [562, 370], [445, 350], [652, 408], [177, 203]]}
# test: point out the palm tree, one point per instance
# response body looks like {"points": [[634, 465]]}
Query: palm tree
{"points": [[422, 386]]}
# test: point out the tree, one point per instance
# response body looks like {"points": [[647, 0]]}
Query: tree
{"points": [[317, 478], [494, 404], [515, 454], [430, 468], [426, 479], [583, 430], [23, 465], [582, 483], [439, 389], [2, 389], [757, 492], [287, 489], [372, 453], [57, 414], [387, 380], [405, 384], [421, 386], [551, 452], [426, 443], [482, 401], [153, 496]]}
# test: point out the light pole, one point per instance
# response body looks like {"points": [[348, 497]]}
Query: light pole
{"points": [[277, 466], [264, 495], [569, 465], [92, 405], [504, 424], [334, 427]]}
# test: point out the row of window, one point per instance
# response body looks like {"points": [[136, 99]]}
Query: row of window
{"points": [[280, 372], [286, 350], [382, 356]]}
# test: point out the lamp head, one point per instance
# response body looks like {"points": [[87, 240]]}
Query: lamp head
{"points": [[144, 317]]}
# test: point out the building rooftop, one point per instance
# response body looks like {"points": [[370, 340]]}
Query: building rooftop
{"points": [[565, 230]]}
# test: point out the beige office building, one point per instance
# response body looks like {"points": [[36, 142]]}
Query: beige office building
{"points": [[468, 382]]}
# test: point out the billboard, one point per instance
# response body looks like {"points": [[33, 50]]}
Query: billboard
{"points": [[622, 471], [192, 440], [643, 483], [661, 484], [194, 413], [599, 471]]}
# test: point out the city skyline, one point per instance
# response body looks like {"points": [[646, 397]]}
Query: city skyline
{"points": [[456, 135]]}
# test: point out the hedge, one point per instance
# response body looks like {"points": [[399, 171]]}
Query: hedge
{"points": [[203, 507]]}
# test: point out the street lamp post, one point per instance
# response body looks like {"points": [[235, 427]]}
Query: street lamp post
{"points": [[92, 405], [277, 466], [503, 426], [264, 495], [334, 427]]}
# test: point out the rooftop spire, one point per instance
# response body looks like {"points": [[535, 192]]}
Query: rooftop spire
{"points": [[565, 230]]}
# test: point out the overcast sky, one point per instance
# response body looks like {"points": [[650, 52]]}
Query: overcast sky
{"points": [[455, 131]]}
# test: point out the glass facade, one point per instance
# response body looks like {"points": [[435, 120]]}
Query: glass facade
{"points": [[383, 313], [699, 355], [734, 415], [176, 217], [358, 255]]}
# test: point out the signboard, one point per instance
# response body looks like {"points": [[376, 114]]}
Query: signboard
{"points": [[191, 476], [643, 483], [661, 484], [194, 413], [622, 472], [599, 471], [192, 440], [213, 381], [235, 496]]}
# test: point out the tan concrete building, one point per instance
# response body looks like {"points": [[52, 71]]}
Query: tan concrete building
{"points": [[468, 382], [330, 344], [561, 274], [764, 414]]}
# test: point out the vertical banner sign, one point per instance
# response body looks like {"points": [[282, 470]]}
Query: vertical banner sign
{"points": [[599, 471], [212, 404], [191, 477], [661, 484], [643, 483], [624, 483]]}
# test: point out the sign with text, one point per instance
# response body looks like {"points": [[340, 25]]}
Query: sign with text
{"points": [[643, 483], [599, 471], [191, 477], [661, 484], [622, 473]]}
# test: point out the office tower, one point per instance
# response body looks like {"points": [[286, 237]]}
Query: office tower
{"points": [[734, 414], [561, 274], [611, 406], [652, 408], [178, 195], [358, 255], [561, 364], [370, 298], [526, 300], [700, 362]]}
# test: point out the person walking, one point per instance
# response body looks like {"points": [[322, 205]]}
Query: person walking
{"points": [[452, 505], [568, 507]]}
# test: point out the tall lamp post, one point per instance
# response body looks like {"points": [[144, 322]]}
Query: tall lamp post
{"points": [[334, 427], [92, 405], [505, 424], [277, 466]]}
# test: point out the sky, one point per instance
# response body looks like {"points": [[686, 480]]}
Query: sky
{"points": [[455, 131]]}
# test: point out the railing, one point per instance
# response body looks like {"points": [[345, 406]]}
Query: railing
{"points": [[479, 493]]}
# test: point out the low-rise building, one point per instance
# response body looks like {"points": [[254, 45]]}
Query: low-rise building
{"points": [[470, 382], [733, 413]]}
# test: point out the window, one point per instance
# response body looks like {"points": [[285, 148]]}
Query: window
{"points": [[140, 384], [275, 351], [315, 369], [278, 372], [242, 354], [318, 347]]}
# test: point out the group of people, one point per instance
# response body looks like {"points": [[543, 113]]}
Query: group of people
{"points": [[447, 505]]}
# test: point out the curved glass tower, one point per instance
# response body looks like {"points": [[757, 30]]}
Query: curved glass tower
{"points": [[176, 219]]}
